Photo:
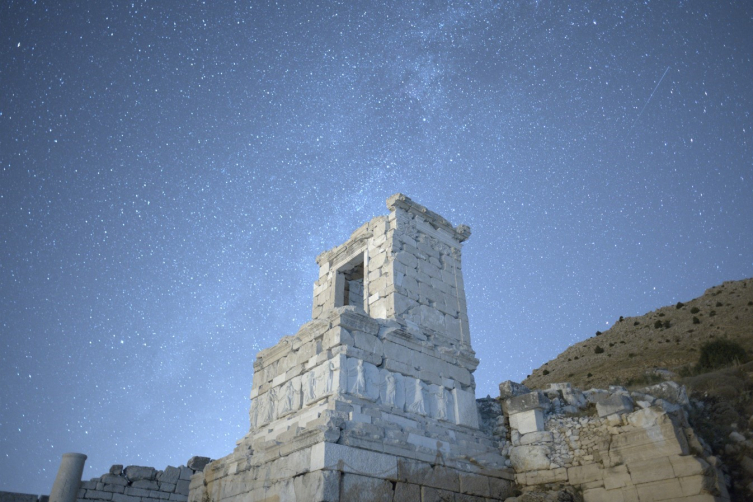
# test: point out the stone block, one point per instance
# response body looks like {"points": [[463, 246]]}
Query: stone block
{"points": [[116, 469], [136, 492], [536, 437], [429, 494], [616, 477], [601, 494], [146, 484], [466, 412], [429, 443], [319, 486], [688, 465], [529, 458], [117, 497], [646, 471], [136, 473], [695, 485], [637, 445], [525, 402], [367, 342], [406, 492], [97, 494], [159, 494], [588, 473], [616, 403], [500, 488], [474, 484], [167, 487], [114, 488], [331, 456], [528, 421], [363, 488], [181, 487], [546, 476], [422, 473], [169, 475], [110, 479], [187, 472], [660, 490]]}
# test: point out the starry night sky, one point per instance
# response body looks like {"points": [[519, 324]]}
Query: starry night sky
{"points": [[170, 169]]}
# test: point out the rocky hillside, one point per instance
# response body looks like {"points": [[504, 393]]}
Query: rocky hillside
{"points": [[640, 350]]}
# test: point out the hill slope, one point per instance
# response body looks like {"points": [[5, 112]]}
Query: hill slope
{"points": [[667, 338]]}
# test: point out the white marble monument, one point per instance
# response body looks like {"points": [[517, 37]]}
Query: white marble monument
{"points": [[373, 398]]}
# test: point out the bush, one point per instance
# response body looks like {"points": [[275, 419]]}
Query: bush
{"points": [[636, 323], [589, 375], [718, 304], [679, 305], [658, 324], [720, 353], [696, 320], [712, 313], [695, 310], [598, 333], [598, 350], [666, 324], [545, 372]]}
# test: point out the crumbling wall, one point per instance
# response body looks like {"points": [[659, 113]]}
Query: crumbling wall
{"points": [[142, 484], [22, 497], [612, 445]]}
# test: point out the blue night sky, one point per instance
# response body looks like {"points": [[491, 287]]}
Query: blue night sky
{"points": [[170, 169]]}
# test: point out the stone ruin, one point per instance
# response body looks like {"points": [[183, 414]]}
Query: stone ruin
{"points": [[609, 445], [374, 398]]}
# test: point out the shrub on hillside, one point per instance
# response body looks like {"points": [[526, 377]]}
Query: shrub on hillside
{"points": [[598, 350], [720, 353]]}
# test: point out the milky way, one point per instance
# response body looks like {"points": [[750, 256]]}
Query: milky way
{"points": [[170, 170]]}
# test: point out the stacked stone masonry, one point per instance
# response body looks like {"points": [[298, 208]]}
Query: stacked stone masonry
{"points": [[635, 447], [375, 395], [142, 484], [22, 497]]}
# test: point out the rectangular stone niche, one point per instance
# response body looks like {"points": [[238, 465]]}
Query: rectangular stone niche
{"points": [[349, 283]]}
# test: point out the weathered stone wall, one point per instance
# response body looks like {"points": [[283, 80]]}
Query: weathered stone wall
{"points": [[22, 497], [141, 484], [635, 447], [344, 475]]}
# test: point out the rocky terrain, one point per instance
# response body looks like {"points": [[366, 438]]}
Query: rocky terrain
{"points": [[667, 344], [641, 350]]}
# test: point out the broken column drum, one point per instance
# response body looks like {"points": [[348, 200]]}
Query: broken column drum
{"points": [[68, 479], [375, 396]]}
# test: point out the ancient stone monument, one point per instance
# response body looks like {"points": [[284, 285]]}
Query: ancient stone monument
{"points": [[374, 398]]}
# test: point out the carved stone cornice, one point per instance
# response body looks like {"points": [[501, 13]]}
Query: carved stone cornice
{"points": [[460, 233]]}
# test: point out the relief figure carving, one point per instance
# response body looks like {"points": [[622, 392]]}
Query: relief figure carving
{"points": [[418, 406], [441, 404], [391, 392]]}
